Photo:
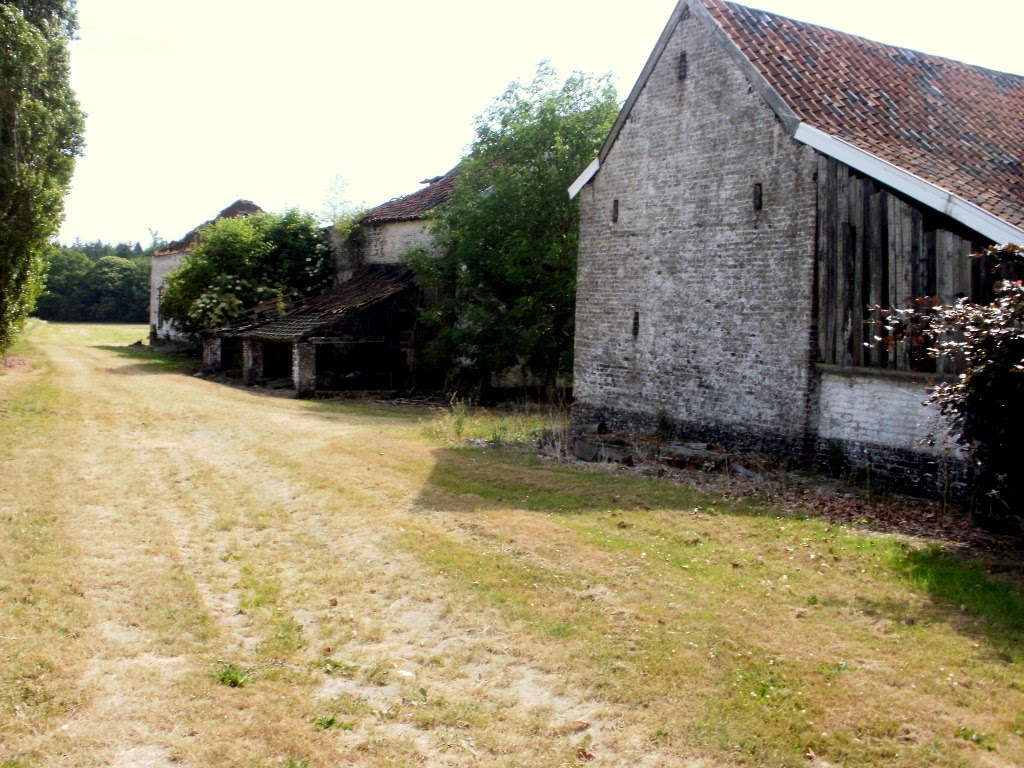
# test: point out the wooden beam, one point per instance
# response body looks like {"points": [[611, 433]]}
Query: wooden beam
{"points": [[858, 212], [877, 269], [824, 257], [900, 236], [844, 266]]}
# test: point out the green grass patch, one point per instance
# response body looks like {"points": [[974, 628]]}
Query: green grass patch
{"points": [[261, 598], [973, 736], [232, 675], [753, 627], [334, 667], [962, 585], [330, 723], [525, 482]]}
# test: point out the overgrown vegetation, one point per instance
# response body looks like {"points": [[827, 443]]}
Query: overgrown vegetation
{"points": [[41, 129], [982, 406], [243, 261], [508, 236], [514, 424]]}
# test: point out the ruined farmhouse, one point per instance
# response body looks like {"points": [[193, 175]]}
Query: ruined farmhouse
{"points": [[357, 336], [766, 182], [169, 258], [386, 232]]}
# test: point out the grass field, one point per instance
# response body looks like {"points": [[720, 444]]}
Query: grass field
{"points": [[196, 574]]}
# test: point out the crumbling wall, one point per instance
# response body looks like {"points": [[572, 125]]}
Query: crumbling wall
{"points": [[377, 243], [160, 266]]}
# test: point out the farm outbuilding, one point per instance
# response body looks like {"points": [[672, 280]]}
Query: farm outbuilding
{"points": [[384, 233], [360, 335], [766, 183]]}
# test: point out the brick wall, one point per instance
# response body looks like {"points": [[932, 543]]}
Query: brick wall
{"points": [[693, 308], [873, 408], [871, 423]]}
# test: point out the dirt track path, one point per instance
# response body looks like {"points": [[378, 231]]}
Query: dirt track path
{"points": [[199, 575], [205, 529]]}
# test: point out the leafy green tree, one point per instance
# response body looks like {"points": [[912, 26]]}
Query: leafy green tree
{"points": [[92, 283], [67, 275], [244, 260], [509, 235], [118, 290], [40, 135]]}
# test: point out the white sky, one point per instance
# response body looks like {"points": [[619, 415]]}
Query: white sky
{"points": [[195, 103]]}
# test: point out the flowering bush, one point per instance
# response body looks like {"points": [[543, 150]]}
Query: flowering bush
{"points": [[242, 261]]}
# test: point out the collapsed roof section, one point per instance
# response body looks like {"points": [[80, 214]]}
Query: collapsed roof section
{"points": [[320, 315], [416, 205], [191, 240]]}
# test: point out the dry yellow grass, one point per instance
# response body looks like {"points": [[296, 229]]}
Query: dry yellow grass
{"points": [[200, 575]]}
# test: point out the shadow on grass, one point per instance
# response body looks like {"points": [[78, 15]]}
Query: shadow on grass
{"points": [[464, 479], [150, 361], [975, 602], [959, 587]]}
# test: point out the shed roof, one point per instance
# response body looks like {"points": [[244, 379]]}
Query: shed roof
{"points": [[369, 285], [946, 133], [416, 205], [191, 240]]}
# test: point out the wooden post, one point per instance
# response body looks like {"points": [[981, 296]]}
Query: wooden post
{"points": [[877, 268], [826, 271]]}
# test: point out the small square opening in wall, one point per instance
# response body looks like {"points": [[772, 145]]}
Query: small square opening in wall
{"points": [[758, 197], [684, 66], [615, 211], [636, 324]]}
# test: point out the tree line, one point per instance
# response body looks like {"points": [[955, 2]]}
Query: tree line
{"points": [[95, 283]]}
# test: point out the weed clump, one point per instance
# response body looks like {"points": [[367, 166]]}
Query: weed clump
{"points": [[233, 676]]}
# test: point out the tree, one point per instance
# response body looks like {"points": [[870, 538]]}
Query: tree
{"points": [[118, 291], [40, 135], [96, 282], [981, 407], [508, 236], [243, 260], [67, 275]]}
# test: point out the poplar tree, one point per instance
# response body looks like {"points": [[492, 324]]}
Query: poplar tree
{"points": [[41, 129]]}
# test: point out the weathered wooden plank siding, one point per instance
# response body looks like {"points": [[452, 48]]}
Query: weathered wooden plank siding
{"points": [[877, 249], [858, 206], [876, 258]]}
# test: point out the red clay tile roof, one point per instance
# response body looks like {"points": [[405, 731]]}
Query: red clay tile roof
{"points": [[958, 126], [189, 241], [416, 205]]}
